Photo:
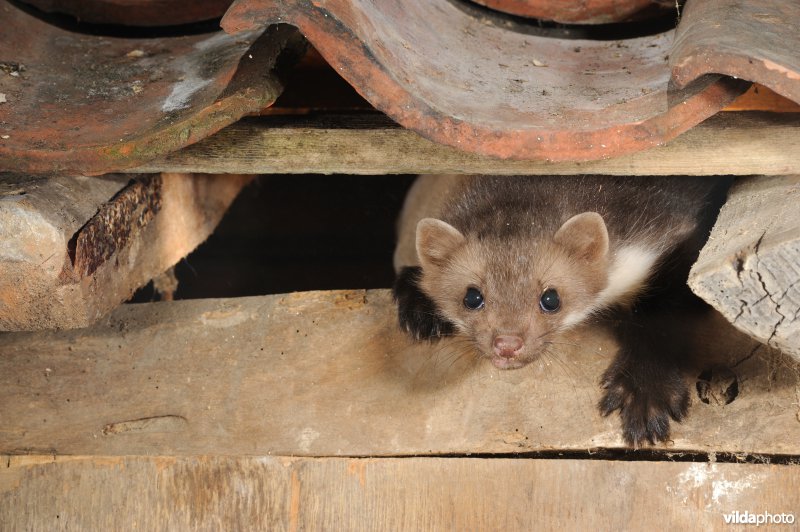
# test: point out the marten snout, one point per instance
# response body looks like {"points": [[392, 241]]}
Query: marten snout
{"points": [[507, 346]]}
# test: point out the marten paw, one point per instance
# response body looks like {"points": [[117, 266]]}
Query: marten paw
{"points": [[417, 312], [645, 406]]}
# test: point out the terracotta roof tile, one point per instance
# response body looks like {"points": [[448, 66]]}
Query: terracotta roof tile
{"points": [[93, 104]]}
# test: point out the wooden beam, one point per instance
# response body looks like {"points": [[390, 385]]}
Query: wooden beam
{"points": [[73, 248], [726, 144], [750, 268], [330, 374], [274, 493]]}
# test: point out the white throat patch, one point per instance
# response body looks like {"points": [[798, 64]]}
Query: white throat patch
{"points": [[627, 275]]}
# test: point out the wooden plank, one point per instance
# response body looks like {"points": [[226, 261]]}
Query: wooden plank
{"points": [[726, 144], [750, 268], [38, 217], [73, 248], [273, 493], [330, 374]]}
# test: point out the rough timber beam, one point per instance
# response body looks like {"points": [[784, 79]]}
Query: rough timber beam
{"points": [[73, 248], [330, 374], [750, 268], [738, 143]]}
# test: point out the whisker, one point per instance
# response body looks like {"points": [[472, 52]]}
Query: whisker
{"points": [[451, 352], [571, 344], [569, 373]]}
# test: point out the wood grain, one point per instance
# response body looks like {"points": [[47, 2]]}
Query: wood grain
{"points": [[726, 144], [274, 493], [73, 249], [330, 374], [750, 268], [38, 218]]}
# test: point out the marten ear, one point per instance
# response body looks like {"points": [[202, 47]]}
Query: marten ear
{"points": [[436, 241], [585, 235]]}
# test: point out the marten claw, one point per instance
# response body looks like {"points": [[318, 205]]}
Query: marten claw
{"points": [[645, 407]]}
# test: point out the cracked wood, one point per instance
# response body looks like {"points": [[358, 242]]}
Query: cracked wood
{"points": [[73, 248], [750, 268]]}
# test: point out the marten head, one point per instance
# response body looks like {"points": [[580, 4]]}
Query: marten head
{"points": [[513, 293]]}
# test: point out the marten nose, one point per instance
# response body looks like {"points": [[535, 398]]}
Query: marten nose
{"points": [[507, 346]]}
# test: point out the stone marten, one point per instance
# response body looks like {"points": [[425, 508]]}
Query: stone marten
{"points": [[512, 262]]}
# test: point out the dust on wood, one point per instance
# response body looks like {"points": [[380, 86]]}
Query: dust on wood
{"points": [[329, 373], [726, 144]]}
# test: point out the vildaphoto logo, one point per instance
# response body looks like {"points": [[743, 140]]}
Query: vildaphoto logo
{"points": [[763, 518]]}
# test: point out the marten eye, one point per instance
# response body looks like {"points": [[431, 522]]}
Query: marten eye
{"points": [[473, 300], [550, 302]]}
